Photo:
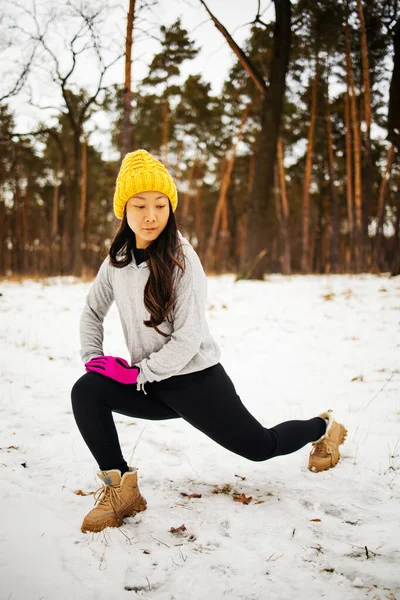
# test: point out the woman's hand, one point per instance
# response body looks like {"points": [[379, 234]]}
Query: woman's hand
{"points": [[113, 367]]}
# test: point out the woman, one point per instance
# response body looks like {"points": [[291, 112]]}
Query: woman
{"points": [[159, 286]]}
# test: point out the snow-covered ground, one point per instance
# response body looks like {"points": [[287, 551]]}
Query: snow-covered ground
{"points": [[294, 347]]}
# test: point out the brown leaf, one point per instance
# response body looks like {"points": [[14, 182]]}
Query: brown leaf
{"points": [[260, 502], [243, 499], [316, 520], [226, 489], [12, 447], [82, 493], [189, 496], [178, 529]]}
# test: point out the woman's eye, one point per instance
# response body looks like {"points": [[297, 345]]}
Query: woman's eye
{"points": [[163, 206], [139, 206]]}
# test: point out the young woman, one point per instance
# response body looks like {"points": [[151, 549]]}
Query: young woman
{"points": [[159, 286]]}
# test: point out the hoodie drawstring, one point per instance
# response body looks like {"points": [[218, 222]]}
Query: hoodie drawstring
{"points": [[140, 387]]}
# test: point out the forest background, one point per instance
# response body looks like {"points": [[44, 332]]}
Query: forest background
{"points": [[291, 166]]}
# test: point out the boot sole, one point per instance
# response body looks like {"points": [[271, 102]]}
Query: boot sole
{"points": [[331, 464], [111, 522]]}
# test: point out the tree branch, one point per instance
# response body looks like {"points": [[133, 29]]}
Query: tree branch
{"points": [[243, 58], [92, 99]]}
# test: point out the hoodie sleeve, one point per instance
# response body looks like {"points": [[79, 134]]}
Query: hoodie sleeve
{"points": [[98, 302], [189, 324]]}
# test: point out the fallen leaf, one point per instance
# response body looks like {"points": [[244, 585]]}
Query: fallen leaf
{"points": [[260, 502], [189, 496], [243, 499], [226, 489], [178, 529], [327, 570], [82, 493], [358, 378], [316, 520]]}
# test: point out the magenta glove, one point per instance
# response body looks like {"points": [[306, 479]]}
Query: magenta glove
{"points": [[113, 367]]}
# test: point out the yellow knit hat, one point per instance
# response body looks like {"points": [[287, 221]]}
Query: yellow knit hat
{"points": [[141, 172]]}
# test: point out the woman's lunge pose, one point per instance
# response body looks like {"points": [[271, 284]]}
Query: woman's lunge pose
{"points": [[159, 286]]}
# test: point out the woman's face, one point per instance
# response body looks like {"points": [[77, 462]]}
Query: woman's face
{"points": [[147, 215]]}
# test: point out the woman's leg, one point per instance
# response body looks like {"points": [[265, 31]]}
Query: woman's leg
{"points": [[94, 397], [208, 400]]}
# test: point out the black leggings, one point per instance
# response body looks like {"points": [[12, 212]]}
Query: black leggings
{"points": [[206, 399]]}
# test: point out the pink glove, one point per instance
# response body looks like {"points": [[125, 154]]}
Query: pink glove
{"points": [[113, 367]]}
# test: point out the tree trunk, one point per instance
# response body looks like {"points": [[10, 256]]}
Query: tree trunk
{"points": [[17, 238], [210, 249], [165, 130], [305, 255], [3, 236], [127, 95], [359, 242], [380, 217], [283, 210], [224, 233], [253, 263], [82, 213], [224, 239], [349, 181], [177, 170], [367, 190], [221, 208], [241, 222], [394, 93], [73, 211], [316, 248], [25, 227], [185, 212], [395, 258], [334, 216], [55, 266], [198, 223]]}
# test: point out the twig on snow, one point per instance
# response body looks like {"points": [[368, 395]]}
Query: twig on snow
{"points": [[377, 394], [160, 541]]}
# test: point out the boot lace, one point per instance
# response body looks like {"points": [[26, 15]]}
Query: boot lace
{"points": [[320, 448], [108, 495]]}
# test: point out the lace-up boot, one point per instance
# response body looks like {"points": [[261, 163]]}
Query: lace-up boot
{"points": [[325, 451], [117, 498]]}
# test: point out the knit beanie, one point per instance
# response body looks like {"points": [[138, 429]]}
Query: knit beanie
{"points": [[141, 172]]}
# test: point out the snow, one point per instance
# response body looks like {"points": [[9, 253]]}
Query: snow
{"points": [[294, 346]]}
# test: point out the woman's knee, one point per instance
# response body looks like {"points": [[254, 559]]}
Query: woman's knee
{"points": [[82, 388], [257, 455], [261, 449]]}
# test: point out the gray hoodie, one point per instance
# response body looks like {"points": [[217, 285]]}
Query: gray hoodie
{"points": [[189, 346]]}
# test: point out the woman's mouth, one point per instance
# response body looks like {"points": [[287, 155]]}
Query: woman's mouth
{"points": [[149, 228]]}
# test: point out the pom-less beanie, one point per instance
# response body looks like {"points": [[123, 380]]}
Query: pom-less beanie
{"points": [[141, 172]]}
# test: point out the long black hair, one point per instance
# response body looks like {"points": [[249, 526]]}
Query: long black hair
{"points": [[163, 255]]}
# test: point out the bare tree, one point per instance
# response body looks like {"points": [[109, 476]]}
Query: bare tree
{"points": [[78, 106], [305, 255], [127, 98], [358, 227], [272, 94]]}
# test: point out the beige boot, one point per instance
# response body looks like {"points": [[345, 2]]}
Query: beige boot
{"points": [[325, 452], [116, 499]]}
